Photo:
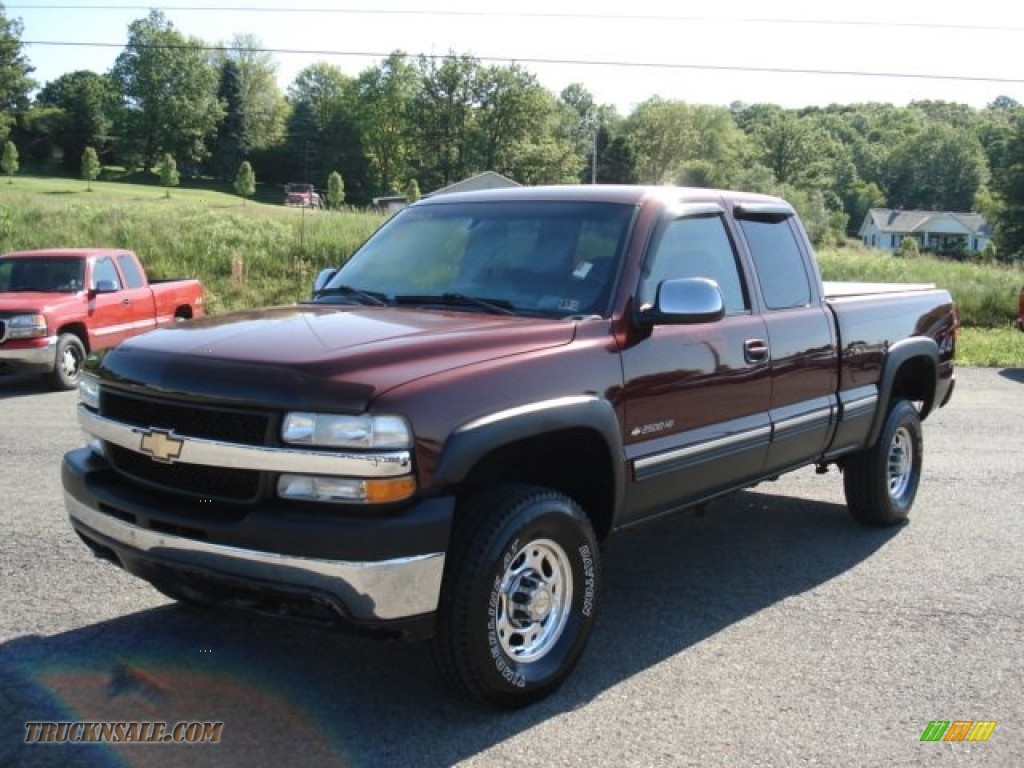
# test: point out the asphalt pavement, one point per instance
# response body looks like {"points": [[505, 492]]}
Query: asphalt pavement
{"points": [[771, 630]]}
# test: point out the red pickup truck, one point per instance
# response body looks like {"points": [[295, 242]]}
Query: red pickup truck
{"points": [[58, 305], [444, 439]]}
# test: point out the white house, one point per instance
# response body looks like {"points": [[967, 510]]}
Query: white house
{"points": [[884, 228]]}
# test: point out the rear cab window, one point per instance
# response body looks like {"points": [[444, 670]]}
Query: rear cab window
{"points": [[777, 256]]}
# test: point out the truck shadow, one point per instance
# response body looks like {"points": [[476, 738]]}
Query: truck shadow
{"points": [[22, 384], [284, 689], [1013, 374]]}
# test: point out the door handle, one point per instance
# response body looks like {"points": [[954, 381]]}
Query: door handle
{"points": [[126, 302], [755, 350]]}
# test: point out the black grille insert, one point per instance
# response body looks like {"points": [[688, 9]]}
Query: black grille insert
{"points": [[200, 482], [187, 419]]}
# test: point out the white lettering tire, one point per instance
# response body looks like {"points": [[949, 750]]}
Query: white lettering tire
{"points": [[519, 595]]}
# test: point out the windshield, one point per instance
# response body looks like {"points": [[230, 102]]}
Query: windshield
{"points": [[53, 274], [543, 258]]}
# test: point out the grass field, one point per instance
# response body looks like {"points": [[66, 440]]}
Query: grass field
{"points": [[259, 254]]}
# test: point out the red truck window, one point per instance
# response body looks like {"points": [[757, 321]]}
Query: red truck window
{"points": [[132, 276], [105, 272]]}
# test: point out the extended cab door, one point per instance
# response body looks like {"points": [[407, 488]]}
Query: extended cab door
{"points": [[116, 310], [696, 397], [802, 343]]}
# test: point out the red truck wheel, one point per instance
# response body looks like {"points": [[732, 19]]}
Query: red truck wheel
{"points": [[519, 595], [881, 482], [68, 364]]}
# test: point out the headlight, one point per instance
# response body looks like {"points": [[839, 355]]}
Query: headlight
{"points": [[89, 392], [368, 431], [26, 327]]}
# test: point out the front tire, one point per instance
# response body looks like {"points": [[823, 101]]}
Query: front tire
{"points": [[519, 595], [881, 482], [68, 363]]}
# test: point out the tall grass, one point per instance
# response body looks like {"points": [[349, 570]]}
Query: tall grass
{"points": [[257, 254], [986, 295], [246, 255]]}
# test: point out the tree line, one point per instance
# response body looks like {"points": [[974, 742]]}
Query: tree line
{"points": [[417, 122]]}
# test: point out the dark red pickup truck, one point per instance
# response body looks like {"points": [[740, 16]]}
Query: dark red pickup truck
{"points": [[442, 440], [58, 305]]}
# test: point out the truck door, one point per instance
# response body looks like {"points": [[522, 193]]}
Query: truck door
{"points": [[140, 296], [111, 315], [802, 343], [696, 396]]}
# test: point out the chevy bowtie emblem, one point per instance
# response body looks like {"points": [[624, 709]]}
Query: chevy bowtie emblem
{"points": [[161, 445]]}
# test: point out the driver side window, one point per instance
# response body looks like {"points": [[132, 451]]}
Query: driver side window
{"points": [[104, 275], [695, 247]]}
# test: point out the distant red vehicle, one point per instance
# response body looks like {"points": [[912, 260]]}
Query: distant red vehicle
{"points": [[301, 194], [56, 306]]}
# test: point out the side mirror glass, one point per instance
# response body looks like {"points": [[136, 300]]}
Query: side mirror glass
{"points": [[685, 302]]}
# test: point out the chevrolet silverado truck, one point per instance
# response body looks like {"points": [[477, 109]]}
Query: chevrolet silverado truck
{"points": [[443, 439], [58, 305]]}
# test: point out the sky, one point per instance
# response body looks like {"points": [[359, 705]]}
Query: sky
{"points": [[787, 52]]}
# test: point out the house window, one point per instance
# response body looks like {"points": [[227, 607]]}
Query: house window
{"points": [[975, 243], [895, 242]]}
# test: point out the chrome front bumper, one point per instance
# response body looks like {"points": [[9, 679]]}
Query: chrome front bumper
{"points": [[370, 591], [31, 357]]}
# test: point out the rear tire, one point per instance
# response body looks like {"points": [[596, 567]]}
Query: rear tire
{"points": [[67, 369], [519, 595], [881, 482]]}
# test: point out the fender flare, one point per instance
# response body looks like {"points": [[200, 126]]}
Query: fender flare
{"points": [[900, 353], [475, 439]]}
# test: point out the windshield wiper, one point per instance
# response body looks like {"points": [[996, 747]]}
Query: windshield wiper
{"points": [[495, 306], [368, 297]]}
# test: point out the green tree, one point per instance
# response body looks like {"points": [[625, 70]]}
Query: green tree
{"points": [[443, 114], [86, 102], [15, 83], [909, 248], [245, 181], [335, 191], [168, 171], [90, 167], [1008, 184], [412, 191], [9, 161], [231, 143], [264, 109], [940, 168], [169, 88], [383, 100]]}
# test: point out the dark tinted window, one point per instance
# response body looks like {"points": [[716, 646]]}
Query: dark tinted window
{"points": [[132, 276], [548, 258], [695, 247], [778, 261]]}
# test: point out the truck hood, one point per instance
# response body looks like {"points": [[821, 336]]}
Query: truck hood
{"points": [[313, 357], [30, 302]]}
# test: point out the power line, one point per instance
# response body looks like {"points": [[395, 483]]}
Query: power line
{"points": [[572, 62], [529, 15]]}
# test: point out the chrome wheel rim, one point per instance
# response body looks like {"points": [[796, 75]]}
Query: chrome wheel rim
{"points": [[901, 463], [70, 363], [534, 600]]}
